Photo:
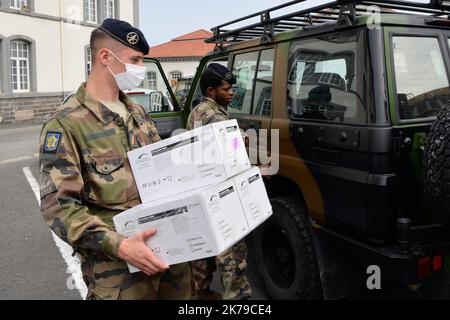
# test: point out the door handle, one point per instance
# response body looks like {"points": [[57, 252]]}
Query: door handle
{"points": [[163, 131]]}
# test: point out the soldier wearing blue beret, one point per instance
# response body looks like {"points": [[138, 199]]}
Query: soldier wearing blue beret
{"points": [[126, 34], [216, 83], [85, 177]]}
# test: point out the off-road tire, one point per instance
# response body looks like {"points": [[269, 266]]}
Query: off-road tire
{"points": [[437, 167], [291, 220]]}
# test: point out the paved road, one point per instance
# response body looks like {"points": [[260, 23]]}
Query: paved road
{"points": [[32, 266], [18, 142], [35, 266]]}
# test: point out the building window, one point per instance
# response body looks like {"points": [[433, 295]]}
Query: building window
{"points": [[90, 7], [174, 77], [18, 4], [88, 61], [110, 9], [20, 66], [151, 77]]}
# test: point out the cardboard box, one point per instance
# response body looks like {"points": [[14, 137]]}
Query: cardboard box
{"points": [[191, 160], [201, 223], [253, 196]]}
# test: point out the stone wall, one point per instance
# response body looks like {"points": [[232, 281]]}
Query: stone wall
{"points": [[28, 110]]}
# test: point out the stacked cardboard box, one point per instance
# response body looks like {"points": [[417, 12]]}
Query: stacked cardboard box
{"points": [[199, 191]]}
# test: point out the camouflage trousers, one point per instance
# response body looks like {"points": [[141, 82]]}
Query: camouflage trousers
{"points": [[232, 265], [111, 280]]}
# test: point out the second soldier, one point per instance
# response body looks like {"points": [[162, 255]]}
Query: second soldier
{"points": [[216, 84]]}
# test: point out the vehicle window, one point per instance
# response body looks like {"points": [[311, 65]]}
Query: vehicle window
{"points": [[327, 78], [420, 77], [197, 98], [263, 87], [244, 68], [153, 94]]}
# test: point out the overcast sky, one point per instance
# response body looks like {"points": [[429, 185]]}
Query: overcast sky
{"points": [[163, 20]]}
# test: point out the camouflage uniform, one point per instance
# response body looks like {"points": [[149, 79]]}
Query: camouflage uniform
{"points": [[233, 263], [207, 112], [85, 180]]}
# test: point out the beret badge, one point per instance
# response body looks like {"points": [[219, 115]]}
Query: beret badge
{"points": [[132, 38]]}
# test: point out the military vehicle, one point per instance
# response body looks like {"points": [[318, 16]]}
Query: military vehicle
{"points": [[359, 92]]}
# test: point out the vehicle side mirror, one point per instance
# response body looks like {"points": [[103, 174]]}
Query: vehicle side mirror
{"points": [[156, 101]]}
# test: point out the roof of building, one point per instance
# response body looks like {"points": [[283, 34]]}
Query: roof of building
{"points": [[188, 45]]}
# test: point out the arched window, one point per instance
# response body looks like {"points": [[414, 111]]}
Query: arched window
{"points": [[20, 65]]}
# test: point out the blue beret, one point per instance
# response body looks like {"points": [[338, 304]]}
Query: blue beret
{"points": [[126, 34], [222, 72]]}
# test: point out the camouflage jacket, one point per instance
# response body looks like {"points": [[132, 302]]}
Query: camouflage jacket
{"points": [[208, 111], [85, 176]]}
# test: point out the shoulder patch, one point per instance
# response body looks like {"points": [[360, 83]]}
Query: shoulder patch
{"points": [[52, 141]]}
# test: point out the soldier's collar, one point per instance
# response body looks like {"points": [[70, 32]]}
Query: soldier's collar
{"points": [[218, 106], [103, 113], [130, 104], [211, 100], [132, 107]]}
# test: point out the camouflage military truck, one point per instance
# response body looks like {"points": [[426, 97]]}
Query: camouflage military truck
{"points": [[359, 92]]}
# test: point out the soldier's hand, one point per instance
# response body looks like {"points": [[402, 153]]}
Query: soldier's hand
{"points": [[135, 251], [265, 171]]}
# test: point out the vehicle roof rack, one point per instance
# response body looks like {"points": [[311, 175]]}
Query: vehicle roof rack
{"points": [[340, 11]]}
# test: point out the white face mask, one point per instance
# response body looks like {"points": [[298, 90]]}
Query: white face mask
{"points": [[130, 79]]}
